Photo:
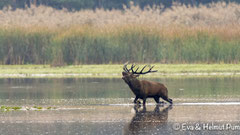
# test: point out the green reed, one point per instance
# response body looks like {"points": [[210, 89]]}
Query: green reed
{"points": [[115, 44]]}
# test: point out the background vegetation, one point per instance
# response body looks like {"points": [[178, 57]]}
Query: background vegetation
{"points": [[180, 34], [106, 4]]}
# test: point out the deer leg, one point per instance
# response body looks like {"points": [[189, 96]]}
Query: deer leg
{"points": [[144, 109], [167, 99], [144, 101], [157, 100], [136, 108], [135, 100]]}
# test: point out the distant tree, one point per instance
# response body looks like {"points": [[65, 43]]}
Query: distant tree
{"points": [[106, 4]]}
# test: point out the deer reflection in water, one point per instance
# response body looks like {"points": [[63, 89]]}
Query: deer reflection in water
{"points": [[145, 121]]}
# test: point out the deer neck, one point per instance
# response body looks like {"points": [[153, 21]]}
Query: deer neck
{"points": [[134, 85]]}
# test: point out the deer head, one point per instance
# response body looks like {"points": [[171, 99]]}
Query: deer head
{"points": [[130, 75]]}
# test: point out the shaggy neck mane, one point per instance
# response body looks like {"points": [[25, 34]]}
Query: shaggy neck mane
{"points": [[134, 84]]}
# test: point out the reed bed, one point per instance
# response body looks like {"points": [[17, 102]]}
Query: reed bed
{"points": [[182, 34]]}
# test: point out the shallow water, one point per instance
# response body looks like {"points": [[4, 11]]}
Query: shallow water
{"points": [[104, 106]]}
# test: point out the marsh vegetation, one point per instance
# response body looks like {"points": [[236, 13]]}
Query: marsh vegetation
{"points": [[180, 34]]}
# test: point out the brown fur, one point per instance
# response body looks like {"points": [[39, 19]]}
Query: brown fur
{"points": [[145, 89]]}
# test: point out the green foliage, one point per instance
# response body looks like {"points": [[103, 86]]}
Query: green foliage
{"points": [[8, 108], [15, 108], [38, 107], [20, 46], [90, 45]]}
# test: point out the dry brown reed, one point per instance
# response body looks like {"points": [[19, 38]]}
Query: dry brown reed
{"points": [[216, 14]]}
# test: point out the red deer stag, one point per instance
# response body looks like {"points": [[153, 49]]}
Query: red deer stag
{"points": [[144, 89]]}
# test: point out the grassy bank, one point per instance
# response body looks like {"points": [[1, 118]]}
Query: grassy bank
{"points": [[164, 70]]}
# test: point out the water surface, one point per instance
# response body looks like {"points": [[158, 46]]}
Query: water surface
{"points": [[104, 106]]}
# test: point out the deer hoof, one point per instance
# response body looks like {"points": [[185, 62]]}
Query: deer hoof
{"points": [[138, 102], [161, 102]]}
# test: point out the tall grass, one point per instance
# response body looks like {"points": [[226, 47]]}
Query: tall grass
{"points": [[42, 35], [24, 46], [91, 45]]}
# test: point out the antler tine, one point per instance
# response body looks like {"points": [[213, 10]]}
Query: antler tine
{"points": [[125, 67], [135, 72], [133, 65], [152, 68], [149, 71], [137, 69], [143, 68]]}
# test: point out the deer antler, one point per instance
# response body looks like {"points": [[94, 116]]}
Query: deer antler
{"points": [[135, 72], [128, 70], [141, 72], [125, 67]]}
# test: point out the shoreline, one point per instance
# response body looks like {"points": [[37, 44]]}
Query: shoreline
{"points": [[114, 71], [104, 75]]}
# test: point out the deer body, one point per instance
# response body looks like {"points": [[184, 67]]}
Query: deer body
{"points": [[145, 89]]}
